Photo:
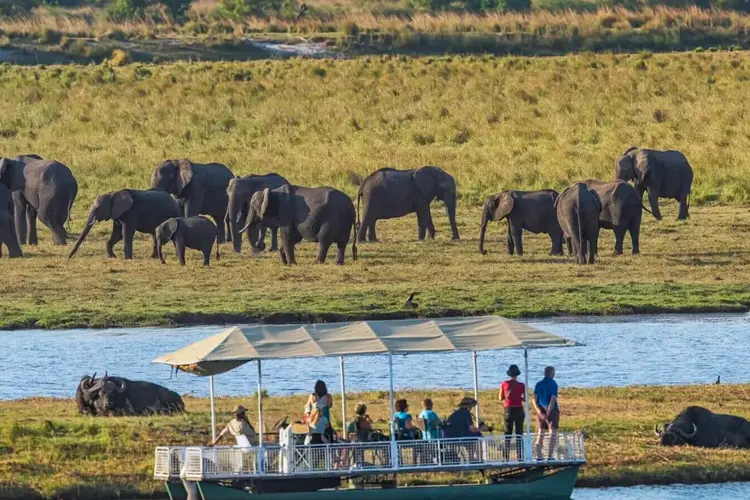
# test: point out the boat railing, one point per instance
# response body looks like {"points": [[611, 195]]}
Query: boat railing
{"points": [[351, 459]]}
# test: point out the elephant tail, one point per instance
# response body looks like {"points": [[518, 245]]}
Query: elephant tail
{"points": [[354, 242], [70, 212], [646, 209], [358, 223], [580, 233], [217, 245]]}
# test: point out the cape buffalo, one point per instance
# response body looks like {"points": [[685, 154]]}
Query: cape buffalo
{"points": [[120, 396], [701, 427]]}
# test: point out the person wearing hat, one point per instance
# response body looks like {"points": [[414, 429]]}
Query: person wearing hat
{"points": [[461, 422], [513, 396], [239, 427]]}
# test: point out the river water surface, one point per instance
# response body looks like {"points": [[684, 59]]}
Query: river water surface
{"points": [[726, 491], [619, 351]]}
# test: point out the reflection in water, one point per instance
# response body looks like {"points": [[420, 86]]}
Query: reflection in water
{"points": [[674, 492], [676, 349]]}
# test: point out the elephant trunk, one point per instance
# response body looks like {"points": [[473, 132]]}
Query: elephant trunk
{"points": [[89, 224], [233, 212], [450, 208], [483, 232]]}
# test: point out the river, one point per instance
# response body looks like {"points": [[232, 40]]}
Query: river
{"points": [[723, 491], [618, 351]]}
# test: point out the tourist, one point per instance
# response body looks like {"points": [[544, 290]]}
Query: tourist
{"points": [[361, 426], [513, 396], [547, 411], [430, 420], [240, 428], [318, 415], [402, 421], [461, 422]]}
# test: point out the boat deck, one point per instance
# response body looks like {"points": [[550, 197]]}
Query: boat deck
{"points": [[494, 452]]}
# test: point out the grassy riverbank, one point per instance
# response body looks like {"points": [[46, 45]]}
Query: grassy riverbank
{"points": [[47, 450], [379, 27], [494, 123]]}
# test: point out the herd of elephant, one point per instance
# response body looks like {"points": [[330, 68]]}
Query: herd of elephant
{"points": [[183, 193]]}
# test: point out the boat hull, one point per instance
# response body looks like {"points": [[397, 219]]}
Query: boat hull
{"points": [[555, 485]]}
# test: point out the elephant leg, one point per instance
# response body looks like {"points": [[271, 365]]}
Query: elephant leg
{"points": [[323, 247], [422, 216], [569, 245], [282, 255], [19, 216], [430, 226], [274, 239], [372, 235], [593, 243], [653, 200], [114, 238], [341, 253], [367, 225], [557, 246], [154, 247], [207, 256], [518, 239], [290, 255], [220, 235], [179, 246], [683, 214], [619, 237], [635, 235], [511, 246], [31, 216], [128, 232], [580, 249]]}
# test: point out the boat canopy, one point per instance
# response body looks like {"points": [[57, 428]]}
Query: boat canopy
{"points": [[239, 344]]}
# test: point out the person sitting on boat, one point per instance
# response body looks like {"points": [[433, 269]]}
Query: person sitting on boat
{"points": [[430, 420], [460, 424], [240, 428], [402, 421], [318, 415], [361, 427]]}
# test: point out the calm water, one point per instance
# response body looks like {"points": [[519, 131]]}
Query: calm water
{"points": [[724, 491], [670, 349]]}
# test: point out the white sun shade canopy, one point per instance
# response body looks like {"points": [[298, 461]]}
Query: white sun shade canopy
{"points": [[237, 345]]}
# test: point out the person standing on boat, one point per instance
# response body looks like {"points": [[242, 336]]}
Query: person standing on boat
{"points": [[547, 411], [240, 428], [318, 415], [513, 396]]}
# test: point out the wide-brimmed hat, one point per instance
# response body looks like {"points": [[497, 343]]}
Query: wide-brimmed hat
{"points": [[467, 402], [239, 410], [513, 371]]}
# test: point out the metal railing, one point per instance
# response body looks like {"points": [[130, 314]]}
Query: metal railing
{"points": [[349, 459]]}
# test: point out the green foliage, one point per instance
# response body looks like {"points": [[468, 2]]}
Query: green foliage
{"points": [[124, 9], [16, 7], [177, 8], [258, 8]]}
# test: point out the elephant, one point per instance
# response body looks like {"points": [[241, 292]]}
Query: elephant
{"points": [[7, 224], [664, 174], [197, 233], [322, 214], [41, 188], [120, 396], [578, 209], [388, 193], [700, 426], [622, 211], [533, 211], [239, 192], [130, 210], [202, 187]]}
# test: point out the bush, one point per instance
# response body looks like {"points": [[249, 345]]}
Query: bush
{"points": [[16, 7], [258, 8], [121, 9], [177, 8]]}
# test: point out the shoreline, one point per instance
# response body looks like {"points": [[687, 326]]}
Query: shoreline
{"points": [[185, 320], [49, 450]]}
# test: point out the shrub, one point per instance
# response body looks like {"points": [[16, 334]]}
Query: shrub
{"points": [[258, 8], [16, 7], [119, 58], [50, 37], [176, 8]]}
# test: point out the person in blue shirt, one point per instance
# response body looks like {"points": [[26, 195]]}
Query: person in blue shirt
{"points": [[547, 411], [403, 424], [430, 420]]}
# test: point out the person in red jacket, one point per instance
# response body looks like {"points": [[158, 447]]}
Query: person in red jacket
{"points": [[513, 396]]}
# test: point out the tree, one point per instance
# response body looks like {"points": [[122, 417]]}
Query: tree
{"points": [[258, 8], [177, 8], [16, 7]]}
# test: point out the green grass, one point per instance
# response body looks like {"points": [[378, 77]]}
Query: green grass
{"points": [[520, 123], [47, 450]]}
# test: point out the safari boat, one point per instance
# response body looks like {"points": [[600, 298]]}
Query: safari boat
{"points": [[290, 470]]}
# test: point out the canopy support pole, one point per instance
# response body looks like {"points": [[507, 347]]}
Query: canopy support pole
{"points": [[343, 397], [476, 382], [213, 408], [527, 440], [261, 451], [394, 448]]}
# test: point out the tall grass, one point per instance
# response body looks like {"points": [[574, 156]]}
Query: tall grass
{"points": [[48, 450]]}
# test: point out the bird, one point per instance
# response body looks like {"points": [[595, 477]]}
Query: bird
{"points": [[718, 380], [410, 304]]}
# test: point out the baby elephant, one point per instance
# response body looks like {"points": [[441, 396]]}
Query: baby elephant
{"points": [[197, 233]]}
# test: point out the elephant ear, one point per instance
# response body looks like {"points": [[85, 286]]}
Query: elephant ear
{"points": [[168, 228], [184, 175], [642, 164], [4, 162], [122, 201], [265, 204], [425, 182], [504, 205]]}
